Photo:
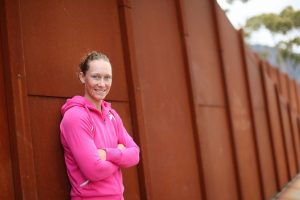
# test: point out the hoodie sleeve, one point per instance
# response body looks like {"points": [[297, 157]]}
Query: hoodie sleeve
{"points": [[76, 131], [130, 155]]}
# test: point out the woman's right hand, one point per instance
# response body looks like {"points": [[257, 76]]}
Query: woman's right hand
{"points": [[102, 154]]}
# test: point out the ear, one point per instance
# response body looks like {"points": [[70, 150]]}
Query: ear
{"points": [[82, 77]]}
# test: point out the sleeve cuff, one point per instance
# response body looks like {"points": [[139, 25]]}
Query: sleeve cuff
{"points": [[113, 154]]}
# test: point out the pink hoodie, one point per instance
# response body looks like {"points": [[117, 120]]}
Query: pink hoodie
{"points": [[84, 130]]}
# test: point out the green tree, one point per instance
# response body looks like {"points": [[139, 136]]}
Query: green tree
{"points": [[279, 24]]}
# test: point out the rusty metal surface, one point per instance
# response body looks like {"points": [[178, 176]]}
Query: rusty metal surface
{"points": [[294, 114], [273, 74], [293, 95], [214, 139], [298, 96], [17, 104], [287, 137], [276, 130], [6, 180], [295, 137], [261, 124], [284, 91], [209, 101], [49, 163], [166, 104], [135, 99], [239, 106], [57, 34], [203, 53], [254, 76]]}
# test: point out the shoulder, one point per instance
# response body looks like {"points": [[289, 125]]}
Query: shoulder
{"points": [[114, 113], [111, 112], [75, 114]]}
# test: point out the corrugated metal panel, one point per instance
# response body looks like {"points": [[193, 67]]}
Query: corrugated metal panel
{"points": [[135, 97], [293, 96], [262, 128], [203, 52], [298, 97], [239, 106], [56, 34], [219, 170], [215, 145], [49, 162], [6, 180], [287, 137], [165, 98], [273, 74], [284, 91], [17, 104], [276, 130], [294, 113]]}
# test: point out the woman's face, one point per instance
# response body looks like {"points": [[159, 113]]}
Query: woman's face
{"points": [[97, 80]]}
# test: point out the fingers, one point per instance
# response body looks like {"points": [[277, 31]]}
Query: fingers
{"points": [[102, 154], [121, 146]]}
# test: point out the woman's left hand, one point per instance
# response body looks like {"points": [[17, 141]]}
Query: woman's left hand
{"points": [[102, 154]]}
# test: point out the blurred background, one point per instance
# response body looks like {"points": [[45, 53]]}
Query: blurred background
{"points": [[272, 29]]}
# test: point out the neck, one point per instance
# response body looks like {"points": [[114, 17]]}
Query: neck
{"points": [[97, 104]]}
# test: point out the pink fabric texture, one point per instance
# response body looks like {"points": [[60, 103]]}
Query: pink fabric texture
{"points": [[84, 130]]}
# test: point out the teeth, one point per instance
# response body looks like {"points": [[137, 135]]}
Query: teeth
{"points": [[100, 91]]}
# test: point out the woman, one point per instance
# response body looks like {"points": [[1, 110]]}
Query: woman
{"points": [[96, 144]]}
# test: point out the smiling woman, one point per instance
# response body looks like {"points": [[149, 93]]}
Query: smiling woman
{"points": [[96, 75], [96, 144]]}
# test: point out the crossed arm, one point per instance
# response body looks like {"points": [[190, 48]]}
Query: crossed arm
{"points": [[102, 152], [97, 164], [126, 154]]}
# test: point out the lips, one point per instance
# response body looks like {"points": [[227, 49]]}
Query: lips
{"points": [[100, 92]]}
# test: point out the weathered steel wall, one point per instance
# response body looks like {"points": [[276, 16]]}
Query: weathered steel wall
{"points": [[239, 109], [276, 131], [209, 100], [6, 181], [212, 119], [261, 123]]}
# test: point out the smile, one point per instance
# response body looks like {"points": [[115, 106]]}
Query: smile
{"points": [[100, 91]]}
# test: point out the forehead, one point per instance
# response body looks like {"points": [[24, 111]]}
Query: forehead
{"points": [[99, 66]]}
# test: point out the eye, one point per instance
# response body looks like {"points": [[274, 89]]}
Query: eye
{"points": [[96, 77], [107, 78]]}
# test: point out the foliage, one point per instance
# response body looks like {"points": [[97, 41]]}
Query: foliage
{"points": [[281, 23], [287, 20]]}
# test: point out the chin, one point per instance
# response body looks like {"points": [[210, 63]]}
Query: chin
{"points": [[101, 98]]}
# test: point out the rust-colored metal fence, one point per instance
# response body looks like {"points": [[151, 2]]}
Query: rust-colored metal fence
{"points": [[213, 120]]}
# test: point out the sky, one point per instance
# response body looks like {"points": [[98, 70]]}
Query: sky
{"points": [[239, 12]]}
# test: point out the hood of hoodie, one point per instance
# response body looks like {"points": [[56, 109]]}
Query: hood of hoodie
{"points": [[80, 101]]}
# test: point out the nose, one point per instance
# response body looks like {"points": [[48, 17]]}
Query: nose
{"points": [[101, 82]]}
